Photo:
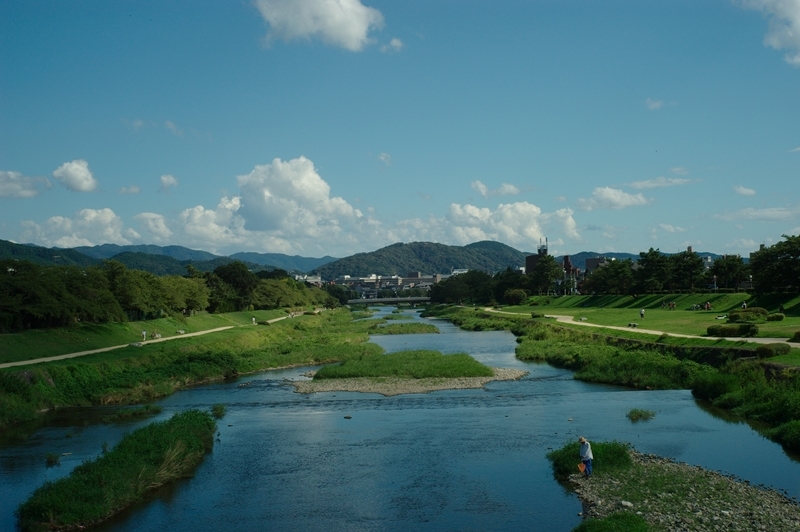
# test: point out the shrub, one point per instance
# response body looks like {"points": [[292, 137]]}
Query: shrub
{"points": [[637, 414], [739, 317], [755, 310], [608, 456], [796, 337], [776, 317], [742, 329], [787, 434], [712, 384], [772, 350], [218, 411]]}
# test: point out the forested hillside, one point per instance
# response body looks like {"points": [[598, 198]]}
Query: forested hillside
{"points": [[425, 257]]}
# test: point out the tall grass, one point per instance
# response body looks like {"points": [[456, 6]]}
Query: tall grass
{"points": [[144, 460], [409, 364]]}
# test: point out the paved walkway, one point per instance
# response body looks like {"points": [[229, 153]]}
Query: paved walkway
{"points": [[571, 319], [104, 349]]}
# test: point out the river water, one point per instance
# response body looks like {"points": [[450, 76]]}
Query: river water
{"points": [[448, 460]]}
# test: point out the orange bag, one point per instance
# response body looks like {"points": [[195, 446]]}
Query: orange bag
{"points": [[582, 467]]}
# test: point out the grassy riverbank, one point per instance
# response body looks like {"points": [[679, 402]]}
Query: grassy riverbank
{"points": [[40, 343], [619, 311], [147, 458], [756, 390], [630, 491], [138, 374]]}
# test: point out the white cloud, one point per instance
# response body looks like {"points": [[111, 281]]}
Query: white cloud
{"points": [[16, 185], [291, 197], [385, 158], [744, 191], [679, 170], [167, 181], [133, 189], [155, 225], [76, 176], [671, 228], [795, 150], [743, 245], [344, 23], [395, 45], [137, 124], [169, 124], [784, 25], [771, 214], [660, 181], [611, 198], [504, 190], [653, 105], [88, 227]]}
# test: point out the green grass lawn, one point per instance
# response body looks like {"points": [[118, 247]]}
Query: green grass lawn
{"points": [[39, 343], [619, 311], [409, 364]]}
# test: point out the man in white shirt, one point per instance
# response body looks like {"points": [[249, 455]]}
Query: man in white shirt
{"points": [[586, 456]]}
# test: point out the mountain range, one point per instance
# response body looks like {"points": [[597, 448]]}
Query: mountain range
{"points": [[396, 259]]}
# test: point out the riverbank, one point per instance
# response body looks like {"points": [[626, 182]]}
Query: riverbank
{"points": [[389, 386], [674, 496]]}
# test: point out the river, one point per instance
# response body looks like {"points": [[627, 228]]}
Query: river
{"points": [[447, 460]]}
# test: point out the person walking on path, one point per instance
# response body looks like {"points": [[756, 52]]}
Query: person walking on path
{"points": [[641, 313], [586, 456]]}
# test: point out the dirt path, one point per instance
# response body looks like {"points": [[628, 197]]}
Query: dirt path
{"points": [[571, 319], [104, 349]]}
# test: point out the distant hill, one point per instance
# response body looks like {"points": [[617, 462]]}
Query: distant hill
{"points": [[426, 257], [106, 251], [163, 265], [42, 255], [284, 262]]}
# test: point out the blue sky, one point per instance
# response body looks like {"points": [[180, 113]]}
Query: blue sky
{"points": [[317, 127]]}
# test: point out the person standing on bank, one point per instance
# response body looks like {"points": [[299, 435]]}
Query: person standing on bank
{"points": [[641, 313], [586, 456]]}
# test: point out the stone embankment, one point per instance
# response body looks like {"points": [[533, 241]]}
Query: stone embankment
{"points": [[702, 500], [398, 385]]}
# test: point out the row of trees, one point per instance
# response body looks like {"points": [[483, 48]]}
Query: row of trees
{"points": [[36, 296], [771, 269]]}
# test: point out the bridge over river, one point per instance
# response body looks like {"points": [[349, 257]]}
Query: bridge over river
{"points": [[388, 300]]}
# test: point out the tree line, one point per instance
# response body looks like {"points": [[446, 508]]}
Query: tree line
{"points": [[774, 268], [41, 296]]}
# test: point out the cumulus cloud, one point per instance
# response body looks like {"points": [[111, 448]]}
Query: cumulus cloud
{"points": [[611, 198], [167, 181], [88, 227], [679, 170], [743, 244], [744, 191], [385, 158], [671, 228], [16, 185], [76, 176], [654, 105], [155, 225], [659, 182], [504, 190], [344, 23], [795, 150], [133, 189], [770, 214], [784, 25], [395, 45], [291, 197]]}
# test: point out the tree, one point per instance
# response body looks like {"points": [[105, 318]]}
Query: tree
{"points": [[545, 273], [729, 270], [515, 296], [614, 277], [241, 279], [777, 267], [653, 270], [686, 268]]}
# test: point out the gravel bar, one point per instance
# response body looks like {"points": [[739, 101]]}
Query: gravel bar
{"points": [[701, 501], [399, 385]]}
